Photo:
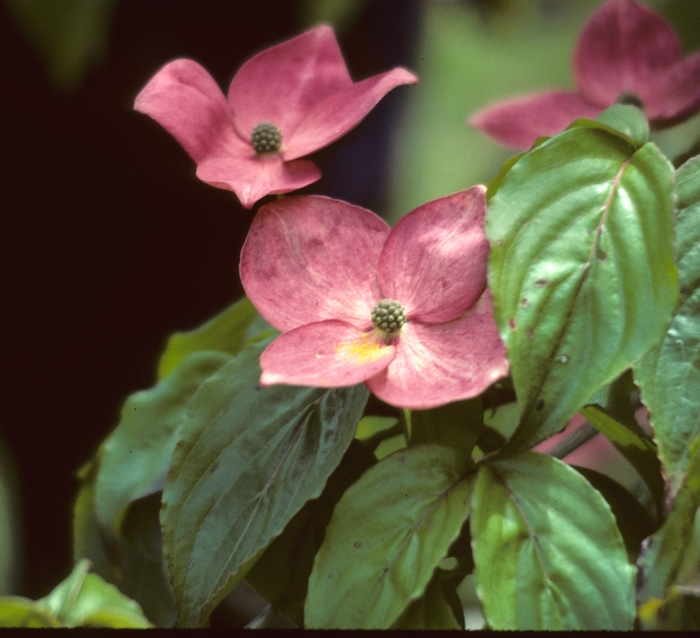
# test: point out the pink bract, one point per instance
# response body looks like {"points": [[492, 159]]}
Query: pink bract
{"points": [[626, 52], [315, 268], [301, 86]]}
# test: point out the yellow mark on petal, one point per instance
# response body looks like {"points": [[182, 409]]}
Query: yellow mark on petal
{"points": [[366, 349]]}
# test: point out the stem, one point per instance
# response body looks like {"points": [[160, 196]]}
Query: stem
{"points": [[573, 441]]}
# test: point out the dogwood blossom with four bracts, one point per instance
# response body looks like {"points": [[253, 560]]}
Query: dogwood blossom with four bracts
{"points": [[284, 103], [625, 53], [405, 310]]}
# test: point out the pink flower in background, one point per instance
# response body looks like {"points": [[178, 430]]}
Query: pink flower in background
{"points": [[625, 53], [404, 310], [285, 102]]}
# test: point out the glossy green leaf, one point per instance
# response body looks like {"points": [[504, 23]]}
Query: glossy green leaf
{"points": [[387, 535], [281, 574], [547, 551], [634, 445], [581, 269], [669, 375], [227, 332], [623, 120], [431, 610], [247, 461], [134, 459], [456, 425], [85, 599], [672, 555]]}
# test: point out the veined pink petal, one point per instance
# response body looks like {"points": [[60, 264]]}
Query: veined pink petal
{"points": [[439, 363], [284, 83], [309, 259], [252, 177], [624, 47], [677, 94], [434, 260], [341, 111], [518, 123], [185, 100], [328, 354]]}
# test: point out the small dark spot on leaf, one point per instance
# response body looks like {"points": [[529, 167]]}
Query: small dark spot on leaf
{"points": [[258, 388], [530, 334], [524, 303], [535, 538], [511, 323], [600, 254], [541, 283], [213, 467], [540, 405], [386, 570], [358, 544]]}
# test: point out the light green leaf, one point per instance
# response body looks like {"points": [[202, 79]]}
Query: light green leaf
{"points": [[227, 332], [623, 120], [247, 461], [86, 600], [581, 269], [456, 425], [547, 551], [134, 459], [669, 375], [16, 611], [634, 445], [387, 535], [431, 610]]}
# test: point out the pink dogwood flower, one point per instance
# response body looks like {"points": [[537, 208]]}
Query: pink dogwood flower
{"points": [[285, 102], [405, 310], [625, 53]]}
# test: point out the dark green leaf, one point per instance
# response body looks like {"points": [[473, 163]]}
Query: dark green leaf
{"points": [[134, 459], [281, 574], [669, 375], [547, 550], [387, 535], [456, 425], [228, 332], [672, 555], [634, 445], [581, 269], [633, 520], [247, 461], [142, 572]]}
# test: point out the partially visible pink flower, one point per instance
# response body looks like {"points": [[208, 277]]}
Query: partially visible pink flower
{"points": [[625, 53], [404, 310], [287, 101]]}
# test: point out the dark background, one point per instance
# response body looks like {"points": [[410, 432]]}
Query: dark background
{"points": [[109, 243]]}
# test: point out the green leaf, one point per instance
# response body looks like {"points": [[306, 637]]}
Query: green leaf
{"points": [[431, 610], [247, 461], [672, 555], [547, 551], [381, 434], [134, 459], [456, 425], [387, 535], [228, 332], [623, 120], [16, 611], [86, 600], [581, 269], [669, 375], [142, 572], [633, 520], [281, 574], [634, 445]]}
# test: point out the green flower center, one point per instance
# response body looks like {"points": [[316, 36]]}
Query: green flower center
{"points": [[388, 315], [631, 99], [266, 138]]}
